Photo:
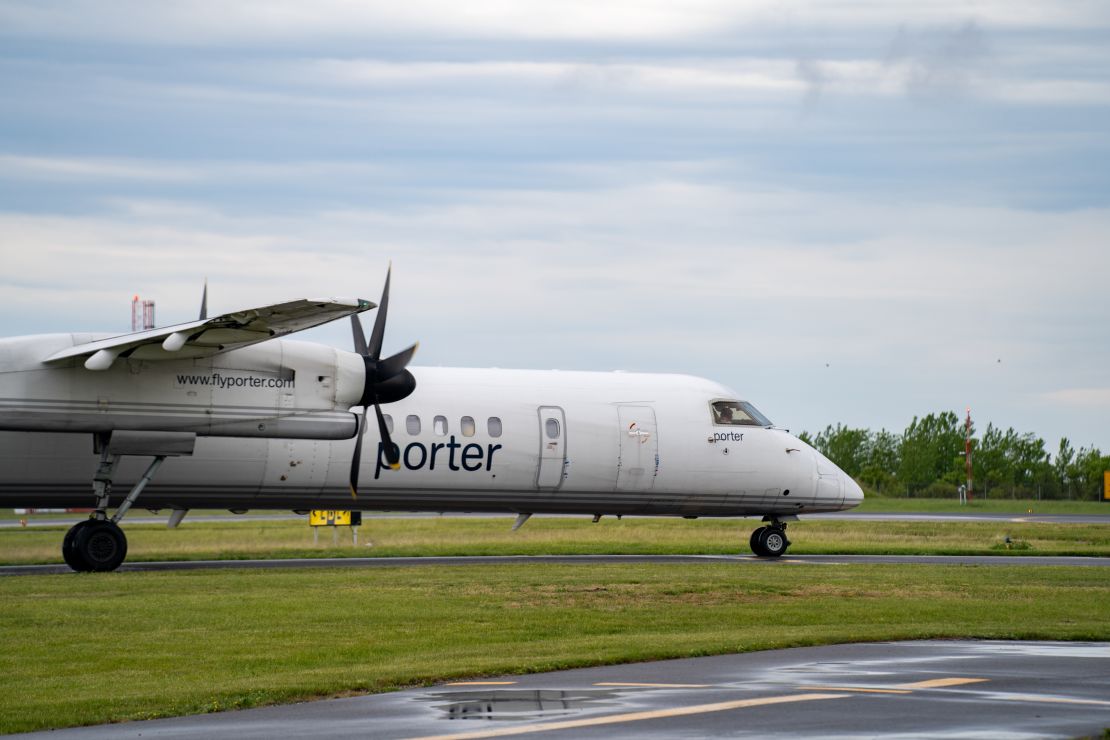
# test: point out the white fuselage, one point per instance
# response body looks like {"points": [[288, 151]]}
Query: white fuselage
{"points": [[274, 432]]}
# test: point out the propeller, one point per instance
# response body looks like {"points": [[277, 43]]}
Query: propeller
{"points": [[386, 381]]}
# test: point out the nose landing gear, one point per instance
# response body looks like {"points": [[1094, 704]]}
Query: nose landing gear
{"points": [[770, 541]]}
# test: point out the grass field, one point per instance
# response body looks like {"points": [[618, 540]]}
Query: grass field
{"points": [[559, 536], [112, 647]]}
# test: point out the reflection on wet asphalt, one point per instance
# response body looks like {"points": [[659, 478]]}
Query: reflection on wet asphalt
{"points": [[511, 704], [934, 689]]}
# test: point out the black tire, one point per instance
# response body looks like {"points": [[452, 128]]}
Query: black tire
{"points": [[773, 542], [753, 541], [102, 545], [69, 552]]}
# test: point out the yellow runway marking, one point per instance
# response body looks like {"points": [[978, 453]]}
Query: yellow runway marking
{"points": [[658, 685], [635, 716], [481, 683], [940, 683], [856, 689]]}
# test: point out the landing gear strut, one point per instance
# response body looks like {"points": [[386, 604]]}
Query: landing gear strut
{"points": [[98, 543], [770, 541]]}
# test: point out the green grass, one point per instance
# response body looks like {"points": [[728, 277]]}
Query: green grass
{"points": [[112, 647], [562, 536]]}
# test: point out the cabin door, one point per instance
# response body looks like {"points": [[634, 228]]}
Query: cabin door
{"points": [[553, 447], [639, 461]]}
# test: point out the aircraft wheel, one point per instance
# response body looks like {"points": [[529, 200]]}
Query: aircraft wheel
{"points": [[772, 542], [753, 541], [101, 544], [69, 551]]}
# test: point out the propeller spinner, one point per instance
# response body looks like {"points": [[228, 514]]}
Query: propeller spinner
{"points": [[386, 381]]}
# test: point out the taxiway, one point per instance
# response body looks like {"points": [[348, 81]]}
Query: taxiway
{"points": [[741, 560], [934, 689]]}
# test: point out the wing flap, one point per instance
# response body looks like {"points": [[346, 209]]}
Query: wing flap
{"points": [[212, 336]]}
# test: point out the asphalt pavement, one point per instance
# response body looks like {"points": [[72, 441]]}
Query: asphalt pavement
{"points": [[925, 689], [739, 560]]}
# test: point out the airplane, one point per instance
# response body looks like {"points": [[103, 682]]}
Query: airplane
{"points": [[225, 412]]}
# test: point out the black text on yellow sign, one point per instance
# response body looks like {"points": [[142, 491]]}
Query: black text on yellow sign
{"points": [[1106, 485], [334, 518]]}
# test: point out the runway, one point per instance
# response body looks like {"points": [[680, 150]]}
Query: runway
{"points": [[739, 560], [933, 689]]}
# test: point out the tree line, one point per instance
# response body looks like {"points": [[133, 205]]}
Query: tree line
{"points": [[927, 460]]}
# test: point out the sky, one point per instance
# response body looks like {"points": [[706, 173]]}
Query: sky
{"points": [[850, 212]]}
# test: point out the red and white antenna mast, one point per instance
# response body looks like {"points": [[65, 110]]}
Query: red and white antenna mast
{"points": [[142, 314]]}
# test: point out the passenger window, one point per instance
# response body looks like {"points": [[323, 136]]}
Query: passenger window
{"points": [[439, 425], [466, 426], [412, 424], [738, 413], [388, 423], [552, 427], [494, 426]]}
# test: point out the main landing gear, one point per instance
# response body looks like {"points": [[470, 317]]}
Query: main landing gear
{"points": [[770, 541], [98, 544], [94, 545]]}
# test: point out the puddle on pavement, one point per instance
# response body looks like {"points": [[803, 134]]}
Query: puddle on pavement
{"points": [[514, 704], [1044, 649]]}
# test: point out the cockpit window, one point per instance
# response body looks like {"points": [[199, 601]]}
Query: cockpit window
{"points": [[738, 413]]}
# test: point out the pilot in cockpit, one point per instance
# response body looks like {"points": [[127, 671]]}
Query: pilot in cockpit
{"points": [[738, 413]]}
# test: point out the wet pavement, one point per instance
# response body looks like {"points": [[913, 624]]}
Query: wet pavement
{"points": [[923, 689]]}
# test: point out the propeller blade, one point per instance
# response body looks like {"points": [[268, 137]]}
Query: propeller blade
{"points": [[391, 366], [360, 338], [358, 453], [392, 456], [378, 333]]}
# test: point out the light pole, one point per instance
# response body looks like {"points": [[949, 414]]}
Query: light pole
{"points": [[967, 453]]}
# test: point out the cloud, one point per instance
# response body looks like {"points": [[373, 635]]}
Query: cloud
{"points": [[937, 65], [92, 169], [1050, 92], [211, 22], [678, 78], [814, 78], [98, 169], [660, 238], [1084, 398]]}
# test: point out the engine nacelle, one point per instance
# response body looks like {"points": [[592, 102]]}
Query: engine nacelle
{"points": [[278, 388]]}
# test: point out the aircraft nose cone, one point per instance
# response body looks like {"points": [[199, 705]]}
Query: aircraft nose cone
{"points": [[853, 494]]}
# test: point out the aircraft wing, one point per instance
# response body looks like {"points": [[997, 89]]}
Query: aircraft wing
{"points": [[212, 336]]}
